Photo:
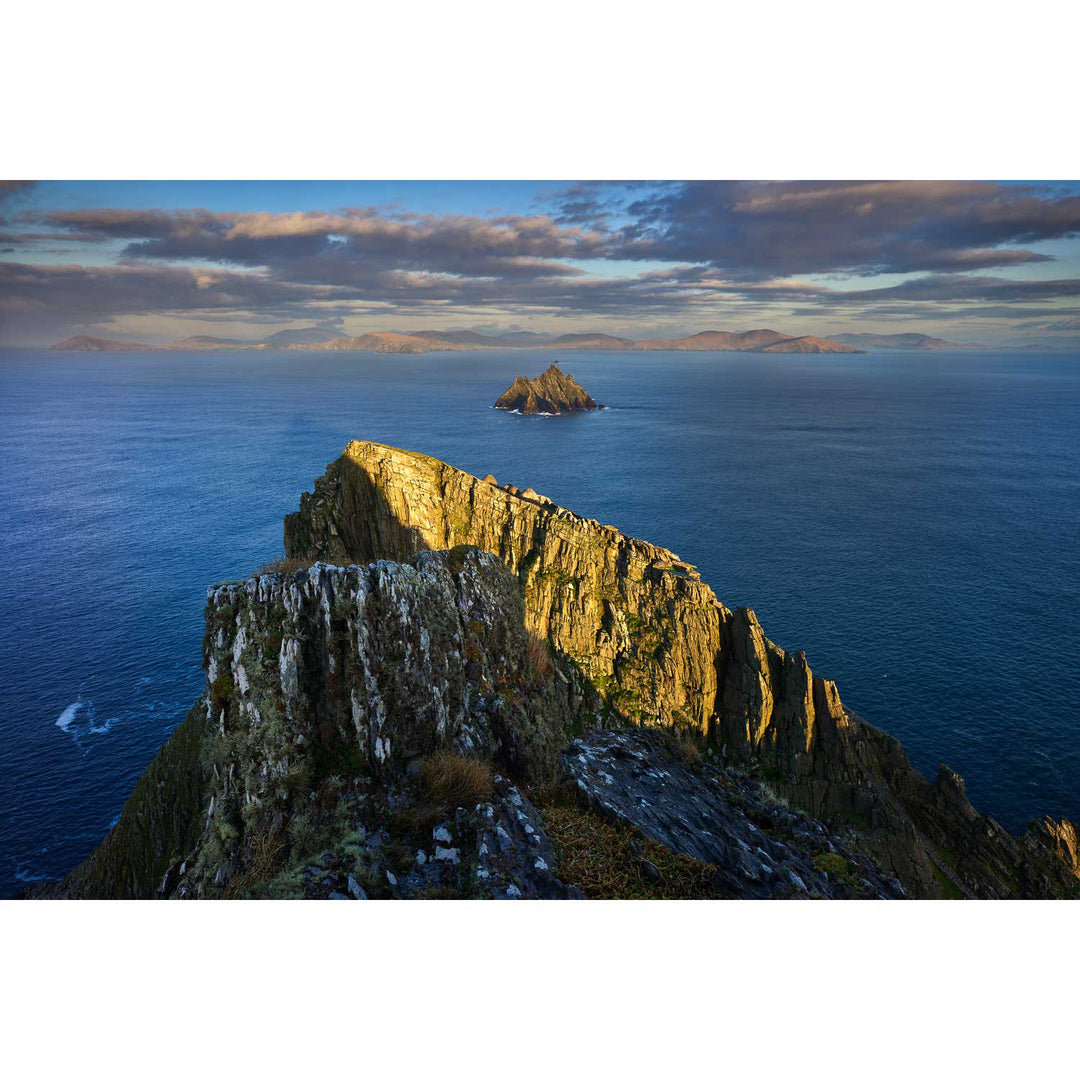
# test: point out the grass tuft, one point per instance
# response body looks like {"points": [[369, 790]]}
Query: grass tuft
{"points": [[836, 867], [454, 780], [265, 858], [685, 746], [540, 661], [606, 860]]}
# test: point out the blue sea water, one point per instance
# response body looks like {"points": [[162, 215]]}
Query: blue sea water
{"points": [[911, 520]]}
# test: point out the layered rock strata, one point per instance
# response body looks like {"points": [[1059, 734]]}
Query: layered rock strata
{"points": [[319, 680], [652, 639], [762, 849]]}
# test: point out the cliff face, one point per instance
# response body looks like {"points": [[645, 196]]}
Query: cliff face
{"points": [[637, 621], [365, 728], [552, 392], [647, 634], [322, 686]]}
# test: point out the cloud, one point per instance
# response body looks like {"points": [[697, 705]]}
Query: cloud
{"points": [[1069, 325], [759, 229], [710, 252], [60, 297], [749, 231], [350, 246], [12, 191], [10, 188]]}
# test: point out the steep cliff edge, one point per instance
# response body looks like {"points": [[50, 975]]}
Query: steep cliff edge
{"points": [[650, 637], [323, 688], [374, 732]]}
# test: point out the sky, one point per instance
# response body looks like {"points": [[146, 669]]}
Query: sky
{"points": [[994, 263]]}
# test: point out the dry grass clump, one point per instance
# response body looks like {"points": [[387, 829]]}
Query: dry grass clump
{"points": [[559, 793], [265, 857], [685, 746], [286, 565], [836, 866], [606, 860], [453, 780], [539, 657]]}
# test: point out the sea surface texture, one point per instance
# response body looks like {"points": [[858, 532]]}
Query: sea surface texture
{"points": [[911, 520]]}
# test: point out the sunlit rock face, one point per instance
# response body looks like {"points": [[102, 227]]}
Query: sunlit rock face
{"points": [[552, 393], [451, 615], [654, 641]]}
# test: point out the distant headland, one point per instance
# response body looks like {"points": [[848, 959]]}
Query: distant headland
{"points": [[314, 338], [554, 392], [921, 342]]}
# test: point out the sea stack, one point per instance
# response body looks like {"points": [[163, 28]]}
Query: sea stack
{"points": [[552, 392]]}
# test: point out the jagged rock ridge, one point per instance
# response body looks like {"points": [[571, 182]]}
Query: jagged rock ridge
{"points": [[329, 690], [648, 635], [553, 392]]}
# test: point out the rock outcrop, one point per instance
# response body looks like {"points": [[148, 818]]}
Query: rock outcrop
{"points": [[553, 392], [762, 849], [639, 627], [321, 686]]}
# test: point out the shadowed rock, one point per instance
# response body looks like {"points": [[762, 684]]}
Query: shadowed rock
{"points": [[762, 849]]}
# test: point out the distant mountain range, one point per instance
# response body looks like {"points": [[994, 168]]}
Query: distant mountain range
{"points": [[900, 341], [314, 338]]}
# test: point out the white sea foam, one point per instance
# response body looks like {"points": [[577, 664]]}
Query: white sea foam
{"points": [[67, 717], [80, 718]]}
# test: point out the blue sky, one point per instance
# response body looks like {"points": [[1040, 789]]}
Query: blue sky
{"points": [[155, 261], [480, 197]]}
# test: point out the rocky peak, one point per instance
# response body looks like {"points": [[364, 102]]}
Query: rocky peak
{"points": [[553, 392], [656, 644]]}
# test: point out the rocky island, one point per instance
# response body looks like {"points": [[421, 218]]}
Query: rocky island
{"points": [[553, 392], [455, 688]]}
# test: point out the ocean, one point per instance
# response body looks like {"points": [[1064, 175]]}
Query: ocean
{"points": [[911, 520]]}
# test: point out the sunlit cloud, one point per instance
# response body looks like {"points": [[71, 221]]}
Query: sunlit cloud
{"points": [[711, 254]]}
